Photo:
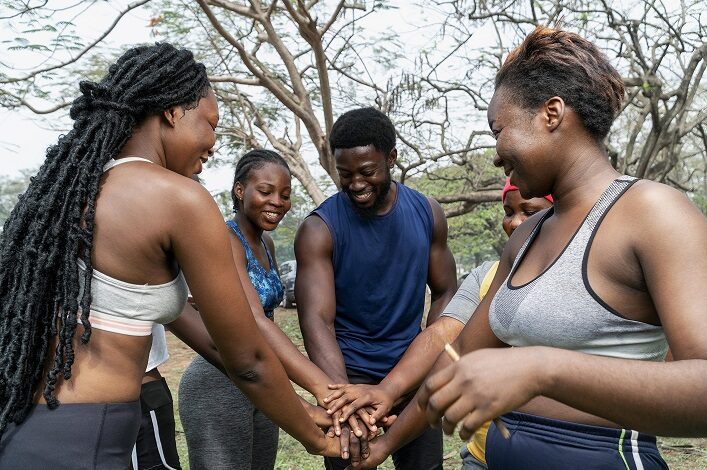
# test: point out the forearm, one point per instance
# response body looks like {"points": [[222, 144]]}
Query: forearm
{"points": [[437, 303], [190, 328], [409, 425], [299, 369], [656, 398], [268, 388], [323, 349], [421, 356]]}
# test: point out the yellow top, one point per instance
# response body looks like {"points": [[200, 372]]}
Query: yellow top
{"points": [[477, 444]]}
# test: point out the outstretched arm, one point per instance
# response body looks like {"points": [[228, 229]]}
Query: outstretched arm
{"points": [[202, 249], [299, 369]]}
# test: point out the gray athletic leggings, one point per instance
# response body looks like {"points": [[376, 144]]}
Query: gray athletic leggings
{"points": [[223, 429]]}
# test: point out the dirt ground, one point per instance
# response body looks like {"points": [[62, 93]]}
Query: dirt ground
{"points": [[679, 453]]}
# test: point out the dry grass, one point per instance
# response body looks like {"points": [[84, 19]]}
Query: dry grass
{"points": [[679, 453]]}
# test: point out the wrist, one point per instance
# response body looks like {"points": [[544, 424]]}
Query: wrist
{"points": [[546, 368], [318, 446], [391, 388]]}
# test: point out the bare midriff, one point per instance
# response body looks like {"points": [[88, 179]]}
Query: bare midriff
{"points": [[109, 369]]}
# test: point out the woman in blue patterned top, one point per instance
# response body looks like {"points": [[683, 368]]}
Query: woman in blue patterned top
{"points": [[222, 428]]}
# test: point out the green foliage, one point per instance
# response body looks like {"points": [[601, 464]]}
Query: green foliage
{"points": [[477, 235]]}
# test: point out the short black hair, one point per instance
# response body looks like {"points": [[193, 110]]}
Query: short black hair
{"points": [[361, 127], [253, 160], [551, 62]]}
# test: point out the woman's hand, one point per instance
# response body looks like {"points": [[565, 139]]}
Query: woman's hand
{"points": [[329, 447], [483, 385], [376, 400], [318, 415]]}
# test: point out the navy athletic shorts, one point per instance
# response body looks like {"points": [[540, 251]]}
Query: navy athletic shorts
{"points": [[539, 443]]}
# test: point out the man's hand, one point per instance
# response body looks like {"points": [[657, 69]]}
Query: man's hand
{"points": [[376, 400], [378, 452]]}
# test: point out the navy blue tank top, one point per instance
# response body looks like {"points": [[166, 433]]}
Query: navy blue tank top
{"points": [[380, 275]]}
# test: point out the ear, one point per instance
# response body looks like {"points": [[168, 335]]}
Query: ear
{"points": [[171, 115], [553, 112], [392, 157], [238, 191]]}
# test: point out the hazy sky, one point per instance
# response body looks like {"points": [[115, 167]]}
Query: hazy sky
{"points": [[24, 136]]}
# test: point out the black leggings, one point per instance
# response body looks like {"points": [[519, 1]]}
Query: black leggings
{"points": [[156, 446], [74, 436]]}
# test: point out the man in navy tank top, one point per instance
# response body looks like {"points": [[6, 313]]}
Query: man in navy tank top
{"points": [[364, 259]]}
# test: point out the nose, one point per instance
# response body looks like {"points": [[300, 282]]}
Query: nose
{"points": [[357, 183], [211, 152], [516, 220], [497, 161]]}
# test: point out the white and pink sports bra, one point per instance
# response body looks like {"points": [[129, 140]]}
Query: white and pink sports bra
{"points": [[132, 309]]}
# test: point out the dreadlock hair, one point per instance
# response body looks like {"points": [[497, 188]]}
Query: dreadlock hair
{"points": [[551, 62], [253, 160], [361, 127], [51, 227]]}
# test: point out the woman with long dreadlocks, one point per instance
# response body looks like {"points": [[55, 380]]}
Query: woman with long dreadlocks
{"points": [[97, 250]]}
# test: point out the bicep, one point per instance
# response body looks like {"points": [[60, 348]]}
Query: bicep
{"points": [[314, 283], [242, 267], [442, 270], [671, 251], [203, 251]]}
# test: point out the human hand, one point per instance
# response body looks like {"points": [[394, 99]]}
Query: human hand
{"points": [[331, 447], [358, 436], [378, 452], [320, 417], [481, 386], [376, 400]]}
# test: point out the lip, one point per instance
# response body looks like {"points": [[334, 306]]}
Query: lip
{"points": [[273, 216], [362, 198]]}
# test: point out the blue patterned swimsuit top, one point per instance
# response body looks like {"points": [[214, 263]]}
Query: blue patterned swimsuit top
{"points": [[266, 283]]}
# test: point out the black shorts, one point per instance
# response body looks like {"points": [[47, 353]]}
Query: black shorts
{"points": [[156, 447]]}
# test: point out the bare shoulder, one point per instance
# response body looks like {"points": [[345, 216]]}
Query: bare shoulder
{"points": [[440, 220], [313, 234], [655, 208]]}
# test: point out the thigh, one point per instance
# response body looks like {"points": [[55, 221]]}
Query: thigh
{"points": [[423, 453], [217, 419], [265, 438]]}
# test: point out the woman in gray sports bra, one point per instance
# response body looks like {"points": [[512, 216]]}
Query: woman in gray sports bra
{"points": [[589, 294]]}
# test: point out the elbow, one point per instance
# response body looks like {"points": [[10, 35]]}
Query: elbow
{"points": [[247, 368]]}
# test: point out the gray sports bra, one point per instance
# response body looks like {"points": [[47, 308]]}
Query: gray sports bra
{"points": [[132, 309], [559, 307]]}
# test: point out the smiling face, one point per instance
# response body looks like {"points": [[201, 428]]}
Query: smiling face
{"points": [[364, 173], [265, 197], [523, 144], [516, 209], [192, 135]]}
